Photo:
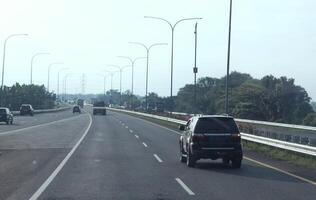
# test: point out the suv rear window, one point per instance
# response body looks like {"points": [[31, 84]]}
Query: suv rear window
{"points": [[3, 111], [25, 107], [216, 125]]}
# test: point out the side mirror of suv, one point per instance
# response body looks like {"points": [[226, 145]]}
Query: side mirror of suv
{"points": [[181, 127]]}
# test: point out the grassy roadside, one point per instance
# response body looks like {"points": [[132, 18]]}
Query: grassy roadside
{"points": [[271, 152], [280, 154]]}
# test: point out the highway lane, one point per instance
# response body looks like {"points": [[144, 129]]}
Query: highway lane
{"points": [[26, 121], [124, 157], [28, 156], [212, 179], [111, 163]]}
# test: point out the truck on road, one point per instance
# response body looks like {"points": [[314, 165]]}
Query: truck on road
{"points": [[99, 108]]}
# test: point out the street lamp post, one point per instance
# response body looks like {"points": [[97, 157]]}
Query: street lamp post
{"points": [[4, 50], [147, 58], [65, 85], [62, 69], [104, 80], [111, 74], [132, 61], [172, 39], [228, 56], [32, 60], [195, 69], [48, 72], [121, 71]]}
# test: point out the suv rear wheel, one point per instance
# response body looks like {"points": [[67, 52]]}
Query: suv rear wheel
{"points": [[225, 161], [236, 163], [183, 158], [190, 159]]}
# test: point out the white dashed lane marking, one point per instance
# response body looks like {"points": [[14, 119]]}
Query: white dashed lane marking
{"points": [[157, 158], [184, 186]]}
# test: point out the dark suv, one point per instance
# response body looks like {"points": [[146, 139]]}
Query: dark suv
{"points": [[76, 109], [6, 116], [211, 136], [26, 109]]}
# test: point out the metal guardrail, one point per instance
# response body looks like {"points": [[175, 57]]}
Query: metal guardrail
{"points": [[262, 122], [304, 149], [298, 134]]}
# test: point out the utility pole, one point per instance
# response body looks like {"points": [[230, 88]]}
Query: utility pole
{"points": [[195, 69]]}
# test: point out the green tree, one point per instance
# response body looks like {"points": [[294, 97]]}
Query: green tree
{"points": [[36, 95], [248, 101], [310, 119], [314, 105]]}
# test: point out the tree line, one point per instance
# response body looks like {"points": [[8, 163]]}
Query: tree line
{"points": [[267, 99], [36, 95]]}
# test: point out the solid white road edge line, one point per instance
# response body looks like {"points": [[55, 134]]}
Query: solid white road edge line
{"points": [[39, 125], [280, 170], [184, 186], [157, 157], [145, 144], [41, 189]]}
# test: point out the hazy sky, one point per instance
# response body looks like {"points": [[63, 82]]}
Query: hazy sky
{"points": [[275, 37]]}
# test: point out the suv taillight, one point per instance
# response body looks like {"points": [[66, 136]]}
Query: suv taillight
{"points": [[236, 137], [198, 138]]}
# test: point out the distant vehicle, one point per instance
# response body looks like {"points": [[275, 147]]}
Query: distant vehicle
{"points": [[6, 116], [99, 108], [212, 137], [26, 109], [76, 109], [80, 102]]}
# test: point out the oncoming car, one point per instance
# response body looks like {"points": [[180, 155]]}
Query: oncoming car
{"points": [[26, 109], [211, 137], [6, 116]]}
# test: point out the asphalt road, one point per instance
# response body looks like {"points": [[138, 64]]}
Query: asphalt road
{"points": [[20, 122], [122, 157]]}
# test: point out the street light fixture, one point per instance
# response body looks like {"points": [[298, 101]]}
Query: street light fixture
{"points": [[65, 85], [132, 61], [32, 60], [48, 72], [228, 56], [111, 74], [104, 80], [120, 70], [62, 69], [4, 50], [172, 39], [147, 57]]}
